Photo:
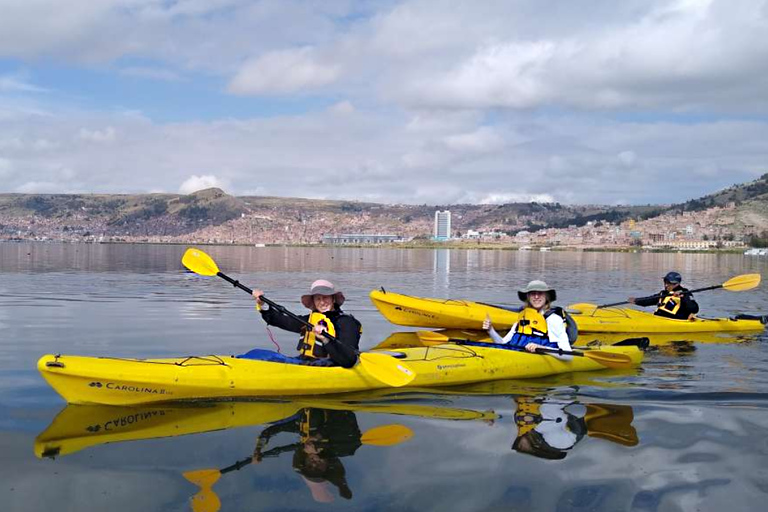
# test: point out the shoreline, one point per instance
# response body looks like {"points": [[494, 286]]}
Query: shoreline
{"points": [[426, 245]]}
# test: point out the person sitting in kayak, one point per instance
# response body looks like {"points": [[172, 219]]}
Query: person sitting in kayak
{"points": [[538, 325], [326, 315], [673, 301]]}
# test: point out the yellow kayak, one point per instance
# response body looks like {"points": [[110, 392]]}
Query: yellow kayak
{"points": [[81, 426], [406, 339], [459, 314], [115, 381]]}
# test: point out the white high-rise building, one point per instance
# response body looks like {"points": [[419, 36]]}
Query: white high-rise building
{"points": [[442, 225]]}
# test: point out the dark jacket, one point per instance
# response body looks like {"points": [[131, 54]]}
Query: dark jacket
{"points": [[342, 352], [688, 306], [335, 434]]}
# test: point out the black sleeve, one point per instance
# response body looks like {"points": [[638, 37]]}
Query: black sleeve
{"points": [[648, 301], [689, 304], [276, 451], [287, 425], [279, 319], [344, 350], [342, 431]]}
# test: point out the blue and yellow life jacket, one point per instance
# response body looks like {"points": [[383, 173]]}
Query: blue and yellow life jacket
{"points": [[531, 328]]}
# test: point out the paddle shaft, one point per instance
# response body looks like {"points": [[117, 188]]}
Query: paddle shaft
{"points": [[540, 350], [659, 295], [272, 304]]}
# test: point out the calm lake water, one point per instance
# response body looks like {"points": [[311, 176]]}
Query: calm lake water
{"points": [[685, 432]]}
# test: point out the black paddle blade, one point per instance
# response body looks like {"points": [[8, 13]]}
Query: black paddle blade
{"points": [[641, 343]]}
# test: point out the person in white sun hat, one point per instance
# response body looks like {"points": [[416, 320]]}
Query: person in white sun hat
{"points": [[315, 348], [539, 325]]}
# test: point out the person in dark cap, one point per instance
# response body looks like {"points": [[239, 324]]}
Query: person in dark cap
{"points": [[538, 325], [673, 301], [324, 302]]}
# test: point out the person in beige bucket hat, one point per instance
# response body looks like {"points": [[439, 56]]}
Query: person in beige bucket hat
{"points": [[315, 347], [322, 288], [539, 325], [537, 286]]}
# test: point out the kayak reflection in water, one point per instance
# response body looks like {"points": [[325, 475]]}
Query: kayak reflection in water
{"points": [[324, 302], [324, 437], [548, 428]]}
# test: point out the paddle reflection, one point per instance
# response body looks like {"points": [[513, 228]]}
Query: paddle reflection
{"points": [[549, 428]]}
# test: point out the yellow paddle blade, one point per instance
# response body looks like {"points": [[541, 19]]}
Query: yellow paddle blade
{"points": [[612, 423], [387, 435], [609, 359], [742, 282], [582, 306], [203, 477], [432, 337], [387, 369], [199, 262], [206, 501]]}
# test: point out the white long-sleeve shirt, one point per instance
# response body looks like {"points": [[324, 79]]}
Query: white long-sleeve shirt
{"points": [[555, 332]]}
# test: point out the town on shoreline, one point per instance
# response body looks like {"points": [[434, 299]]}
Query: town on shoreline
{"points": [[731, 220]]}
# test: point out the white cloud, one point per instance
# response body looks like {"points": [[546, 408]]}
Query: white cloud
{"points": [[99, 136], [493, 101], [627, 158], [195, 183], [38, 187], [11, 143], [283, 72], [151, 73], [684, 56], [533, 157], [482, 140], [45, 145], [6, 167], [14, 83], [342, 108], [513, 197]]}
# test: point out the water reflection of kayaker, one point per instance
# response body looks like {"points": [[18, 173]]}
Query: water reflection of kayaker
{"points": [[325, 303], [324, 437], [673, 301], [548, 428]]}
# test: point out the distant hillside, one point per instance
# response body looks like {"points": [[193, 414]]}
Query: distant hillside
{"points": [[129, 214], [214, 213], [738, 194]]}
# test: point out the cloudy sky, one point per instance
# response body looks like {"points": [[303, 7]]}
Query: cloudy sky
{"points": [[413, 101]]}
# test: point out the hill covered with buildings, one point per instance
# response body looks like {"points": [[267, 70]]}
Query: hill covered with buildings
{"points": [[735, 216]]}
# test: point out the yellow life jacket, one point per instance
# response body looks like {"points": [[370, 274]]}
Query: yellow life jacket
{"points": [[308, 346], [527, 415], [532, 323], [306, 428], [670, 304]]}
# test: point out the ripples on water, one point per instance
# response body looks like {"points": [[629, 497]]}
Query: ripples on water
{"points": [[684, 432]]}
